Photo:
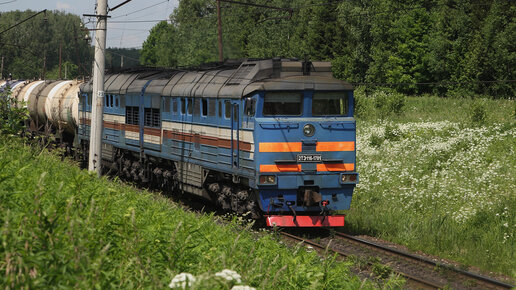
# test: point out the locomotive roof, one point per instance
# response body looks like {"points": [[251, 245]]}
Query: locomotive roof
{"points": [[226, 81]]}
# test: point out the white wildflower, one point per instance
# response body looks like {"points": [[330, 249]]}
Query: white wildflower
{"points": [[182, 281], [229, 275], [241, 287]]}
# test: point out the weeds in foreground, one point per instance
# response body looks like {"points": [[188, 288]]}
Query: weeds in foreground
{"points": [[62, 227]]}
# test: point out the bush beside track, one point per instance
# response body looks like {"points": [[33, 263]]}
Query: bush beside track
{"points": [[62, 227]]}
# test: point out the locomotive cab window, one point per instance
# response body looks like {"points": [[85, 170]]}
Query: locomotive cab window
{"points": [[329, 104], [282, 104]]}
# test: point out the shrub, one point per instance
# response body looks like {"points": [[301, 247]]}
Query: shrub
{"points": [[389, 103], [363, 104], [478, 112], [12, 115], [392, 133], [375, 140]]}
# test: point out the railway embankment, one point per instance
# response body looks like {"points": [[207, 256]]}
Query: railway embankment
{"points": [[62, 227]]}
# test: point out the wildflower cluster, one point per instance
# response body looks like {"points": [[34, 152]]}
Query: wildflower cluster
{"points": [[225, 278], [438, 176]]}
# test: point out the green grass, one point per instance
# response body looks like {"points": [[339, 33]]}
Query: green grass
{"points": [[440, 178], [63, 228]]}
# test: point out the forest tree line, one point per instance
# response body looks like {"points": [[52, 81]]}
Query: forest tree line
{"points": [[31, 50], [444, 47]]}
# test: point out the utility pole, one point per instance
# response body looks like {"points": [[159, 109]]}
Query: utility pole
{"points": [[219, 23], [60, 49], [95, 156], [2, 69]]}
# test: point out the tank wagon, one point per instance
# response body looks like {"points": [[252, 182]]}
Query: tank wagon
{"points": [[52, 105], [274, 138]]}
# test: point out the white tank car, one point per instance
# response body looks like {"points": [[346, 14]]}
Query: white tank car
{"points": [[22, 93], [54, 101], [62, 105]]}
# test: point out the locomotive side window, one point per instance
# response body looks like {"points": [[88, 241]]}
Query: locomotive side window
{"points": [[183, 106], [220, 109], [166, 104], [190, 106], [227, 109], [282, 104], [250, 106], [174, 105], [211, 107], [329, 104], [197, 107], [204, 107]]}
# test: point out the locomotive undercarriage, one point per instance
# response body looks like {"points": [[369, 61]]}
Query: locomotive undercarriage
{"points": [[168, 176]]}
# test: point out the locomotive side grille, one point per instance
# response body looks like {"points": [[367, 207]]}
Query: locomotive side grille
{"points": [[152, 117], [132, 115]]}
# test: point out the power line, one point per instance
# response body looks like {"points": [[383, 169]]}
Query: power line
{"points": [[441, 83], [120, 5], [8, 2], [26, 19], [139, 21], [139, 10], [125, 56]]}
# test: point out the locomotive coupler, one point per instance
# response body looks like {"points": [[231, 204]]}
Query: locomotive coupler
{"points": [[324, 210]]}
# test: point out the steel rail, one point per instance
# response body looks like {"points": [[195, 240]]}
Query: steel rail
{"points": [[426, 283], [427, 261]]}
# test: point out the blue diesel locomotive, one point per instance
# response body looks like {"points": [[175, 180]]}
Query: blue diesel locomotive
{"points": [[274, 138]]}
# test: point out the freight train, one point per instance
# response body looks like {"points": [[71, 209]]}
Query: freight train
{"points": [[272, 138]]}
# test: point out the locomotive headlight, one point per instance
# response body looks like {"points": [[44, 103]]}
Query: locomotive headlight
{"points": [[267, 179], [309, 130]]}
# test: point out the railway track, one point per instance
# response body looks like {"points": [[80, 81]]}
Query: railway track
{"points": [[419, 272]]}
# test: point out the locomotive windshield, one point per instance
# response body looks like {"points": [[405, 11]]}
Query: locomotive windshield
{"points": [[329, 104], [282, 104]]}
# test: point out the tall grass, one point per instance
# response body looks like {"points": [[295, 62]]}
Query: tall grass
{"points": [[63, 228], [441, 177]]}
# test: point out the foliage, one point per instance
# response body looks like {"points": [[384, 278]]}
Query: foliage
{"points": [[31, 49], [64, 228], [129, 56], [453, 43], [478, 112], [439, 183], [13, 115]]}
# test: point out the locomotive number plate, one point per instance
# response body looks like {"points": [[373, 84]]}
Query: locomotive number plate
{"points": [[309, 158]]}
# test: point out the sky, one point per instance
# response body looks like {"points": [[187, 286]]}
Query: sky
{"points": [[121, 32]]}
